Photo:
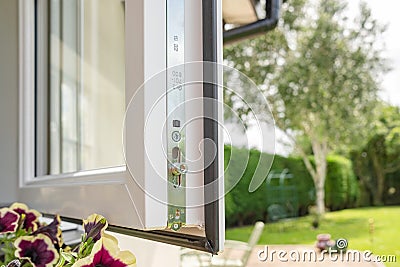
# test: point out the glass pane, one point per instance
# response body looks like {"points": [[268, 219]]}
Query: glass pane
{"points": [[86, 84]]}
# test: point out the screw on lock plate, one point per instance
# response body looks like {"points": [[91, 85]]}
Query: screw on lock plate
{"points": [[176, 136], [176, 226], [176, 219]]}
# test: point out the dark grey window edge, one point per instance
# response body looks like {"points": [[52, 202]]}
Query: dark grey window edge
{"points": [[210, 91], [171, 238]]}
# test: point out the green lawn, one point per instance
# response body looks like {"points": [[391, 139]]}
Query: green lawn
{"points": [[351, 224]]}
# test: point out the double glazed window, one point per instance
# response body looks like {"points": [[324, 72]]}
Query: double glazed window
{"points": [[82, 115]]}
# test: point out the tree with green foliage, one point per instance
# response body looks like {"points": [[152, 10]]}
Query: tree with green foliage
{"points": [[381, 155], [320, 72]]}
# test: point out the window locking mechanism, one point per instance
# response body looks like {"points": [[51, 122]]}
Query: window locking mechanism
{"points": [[175, 98], [177, 171]]}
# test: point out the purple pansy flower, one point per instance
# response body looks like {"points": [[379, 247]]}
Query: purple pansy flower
{"points": [[106, 253], [52, 230], [37, 250], [8, 221], [31, 216], [94, 226]]}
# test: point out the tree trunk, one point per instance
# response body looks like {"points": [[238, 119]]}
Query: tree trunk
{"points": [[241, 220], [320, 196], [318, 173], [365, 179], [380, 181], [320, 153]]}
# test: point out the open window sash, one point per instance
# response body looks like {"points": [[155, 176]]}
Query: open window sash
{"points": [[133, 201]]}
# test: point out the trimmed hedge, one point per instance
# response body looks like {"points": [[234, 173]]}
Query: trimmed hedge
{"points": [[243, 207], [341, 186]]}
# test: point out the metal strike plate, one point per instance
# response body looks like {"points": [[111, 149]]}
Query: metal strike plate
{"points": [[176, 114]]}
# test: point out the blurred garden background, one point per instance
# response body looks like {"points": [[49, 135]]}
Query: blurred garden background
{"points": [[322, 71]]}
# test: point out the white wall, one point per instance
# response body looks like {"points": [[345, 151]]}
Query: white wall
{"points": [[8, 100]]}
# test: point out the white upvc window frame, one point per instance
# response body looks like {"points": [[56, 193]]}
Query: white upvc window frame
{"points": [[111, 191]]}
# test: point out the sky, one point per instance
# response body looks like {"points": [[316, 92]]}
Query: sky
{"points": [[387, 12]]}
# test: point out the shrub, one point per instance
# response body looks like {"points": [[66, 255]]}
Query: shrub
{"points": [[243, 207], [341, 186]]}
